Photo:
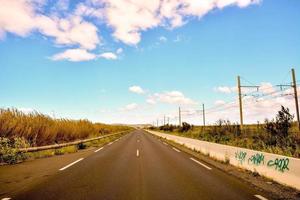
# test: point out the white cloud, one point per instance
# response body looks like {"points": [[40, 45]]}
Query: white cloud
{"points": [[136, 89], [219, 102], [162, 39], [108, 56], [74, 55], [119, 51], [264, 87], [62, 4], [16, 17], [26, 110], [224, 89], [130, 107], [173, 97], [151, 101], [129, 18], [21, 17], [70, 31]]}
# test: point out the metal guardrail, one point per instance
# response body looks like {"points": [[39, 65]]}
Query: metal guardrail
{"points": [[56, 146]]}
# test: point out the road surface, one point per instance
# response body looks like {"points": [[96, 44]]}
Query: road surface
{"points": [[138, 166]]}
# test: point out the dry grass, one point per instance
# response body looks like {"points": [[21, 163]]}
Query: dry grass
{"points": [[38, 129]]}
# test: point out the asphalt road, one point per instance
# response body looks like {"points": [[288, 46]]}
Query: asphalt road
{"points": [[138, 166]]}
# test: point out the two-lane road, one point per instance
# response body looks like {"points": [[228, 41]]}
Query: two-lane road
{"points": [[139, 166]]}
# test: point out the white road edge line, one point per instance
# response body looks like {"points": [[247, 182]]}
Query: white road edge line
{"points": [[137, 153], [260, 197], [69, 165], [176, 149], [165, 143], [98, 149], [200, 163], [110, 143]]}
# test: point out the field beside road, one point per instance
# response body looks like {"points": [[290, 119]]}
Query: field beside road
{"points": [[253, 136], [19, 130]]}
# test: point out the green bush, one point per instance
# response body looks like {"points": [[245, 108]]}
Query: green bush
{"points": [[9, 150]]}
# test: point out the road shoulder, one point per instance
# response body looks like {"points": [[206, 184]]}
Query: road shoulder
{"points": [[265, 185]]}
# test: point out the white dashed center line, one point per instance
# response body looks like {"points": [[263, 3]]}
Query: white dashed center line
{"points": [[98, 149], [137, 153], [200, 163], [176, 149], [110, 143], [260, 197], [69, 165]]}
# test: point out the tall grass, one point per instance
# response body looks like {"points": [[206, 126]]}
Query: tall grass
{"points": [[38, 129]]}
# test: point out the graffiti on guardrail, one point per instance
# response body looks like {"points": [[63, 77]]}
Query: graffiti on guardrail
{"points": [[240, 156], [280, 164], [259, 159]]}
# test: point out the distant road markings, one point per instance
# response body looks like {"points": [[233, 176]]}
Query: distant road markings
{"points": [[137, 153], [6, 198], [138, 140], [98, 149], [69, 165], [176, 149], [200, 163], [260, 197]]}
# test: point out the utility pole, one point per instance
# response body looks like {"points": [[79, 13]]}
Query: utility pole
{"points": [[294, 85], [240, 98], [164, 120], [203, 112], [296, 96], [240, 101], [157, 122], [179, 117]]}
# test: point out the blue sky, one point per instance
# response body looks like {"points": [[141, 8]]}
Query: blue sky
{"points": [[181, 58]]}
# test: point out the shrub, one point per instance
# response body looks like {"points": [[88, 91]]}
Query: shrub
{"points": [[185, 127], [278, 128], [9, 150], [167, 127]]}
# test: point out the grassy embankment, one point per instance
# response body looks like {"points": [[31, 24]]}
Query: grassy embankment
{"points": [[255, 137], [19, 130]]}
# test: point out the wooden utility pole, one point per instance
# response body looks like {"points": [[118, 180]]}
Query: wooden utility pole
{"points": [[296, 96], [203, 112], [240, 101], [179, 117], [164, 120]]}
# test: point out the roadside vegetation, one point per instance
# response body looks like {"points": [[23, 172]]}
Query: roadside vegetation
{"points": [[19, 130], [279, 135]]}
